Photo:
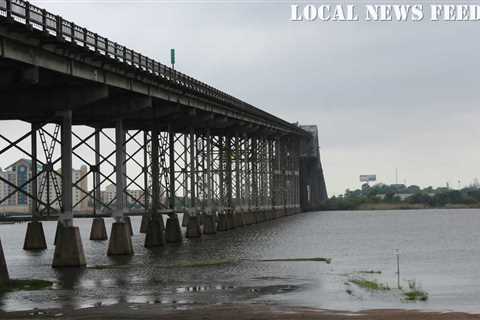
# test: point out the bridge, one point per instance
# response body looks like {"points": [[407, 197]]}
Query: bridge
{"points": [[133, 122]]}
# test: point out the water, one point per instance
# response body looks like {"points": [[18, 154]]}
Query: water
{"points": [[439, 249]]}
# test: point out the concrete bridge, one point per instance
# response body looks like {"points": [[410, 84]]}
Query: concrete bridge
{"points": [[134, 122]]}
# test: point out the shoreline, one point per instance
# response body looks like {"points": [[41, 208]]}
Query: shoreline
{"points": [[260, 311]]}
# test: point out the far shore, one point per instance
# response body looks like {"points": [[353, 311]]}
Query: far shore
{"points": [[228, 311], [404, 206]]}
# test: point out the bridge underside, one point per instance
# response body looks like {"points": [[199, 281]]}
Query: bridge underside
{"points": [[163, 142]]}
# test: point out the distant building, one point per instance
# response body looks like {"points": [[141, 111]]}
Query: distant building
{"points": [[20, 172]]}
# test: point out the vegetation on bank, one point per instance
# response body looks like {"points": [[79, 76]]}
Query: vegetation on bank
{"points": [[372, 285], [412, 294], [400, 196], [317, 259], [25, 285]]}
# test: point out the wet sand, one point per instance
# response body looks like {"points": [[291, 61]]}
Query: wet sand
{"points": [[228, 311]]}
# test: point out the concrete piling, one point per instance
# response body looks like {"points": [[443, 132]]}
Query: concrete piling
{"points": [[4, 278], [154, 234], [209, 224], [120, 240], [222, 224], [98, 231], [144, 224], [69, 248], [35, 237], [173, 232], [193, 227], [238, 219], [128, 221], [185, 217], [58, 230], [230, 220]]}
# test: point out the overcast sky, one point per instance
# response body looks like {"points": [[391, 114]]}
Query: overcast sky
{"points": [[384, 95]]}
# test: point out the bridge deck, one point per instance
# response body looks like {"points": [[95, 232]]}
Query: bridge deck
{"points": [[99, 78]]}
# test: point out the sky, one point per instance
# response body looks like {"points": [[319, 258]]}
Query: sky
{"points": [[384, 95]]}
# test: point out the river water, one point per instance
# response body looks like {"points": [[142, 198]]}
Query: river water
{"points": [[439, 250]]}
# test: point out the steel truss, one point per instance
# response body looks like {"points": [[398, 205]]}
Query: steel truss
{"points": [[197, 171]]}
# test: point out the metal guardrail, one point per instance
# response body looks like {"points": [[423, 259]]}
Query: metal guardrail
{"points": [[55, 26]]}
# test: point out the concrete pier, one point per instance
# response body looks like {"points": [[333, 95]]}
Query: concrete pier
{"points": [[58, 230], [98, 231], [238, 219], [173, 232], [185, 217], [209, 224], [4, 278], [193, 227], [69, 248], [120, 240], [35, 237], [222, 224], [230, 220], [154, 234], [128, 221], [144, 223]]}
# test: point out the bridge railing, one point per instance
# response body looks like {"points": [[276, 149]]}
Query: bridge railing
{"points": [[52, 25]]}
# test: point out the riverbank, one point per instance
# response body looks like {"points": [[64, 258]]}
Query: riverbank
{"points": [[227, 311], [399, 206]]}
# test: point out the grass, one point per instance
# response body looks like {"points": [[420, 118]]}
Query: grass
{"points": [[416, 295], [206, 263], [25, 285], [372, 285], [318, 259], [369, 271]]}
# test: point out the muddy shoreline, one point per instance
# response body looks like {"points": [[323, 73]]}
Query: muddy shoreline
{"points": [[228, 311]]}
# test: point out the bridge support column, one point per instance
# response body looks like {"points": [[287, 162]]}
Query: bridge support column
{"points": [[210, 217], [254, 162], [34, 237], [193, 227], [155, 229], [146, 214], [4, 278], [120, 237], [69, 248], [98, 231], [222, 224], [192, 222], [173, 232]]}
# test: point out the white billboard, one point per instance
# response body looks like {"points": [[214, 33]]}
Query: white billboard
{"points": [[368, 177]]}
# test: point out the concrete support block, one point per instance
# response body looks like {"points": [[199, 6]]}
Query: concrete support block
{"points": [[268, 215], [120, 240], [98, 231], [186, 215], [209, 224], [35, 237], [263, 215], [58, 231], [154, 234], [252, 217], [222, 224], [193, 227], [69, 248], [4, 278], [238, 219], [144, 223], [128, 221], [230, 220], [173, 232], [274, 214]]}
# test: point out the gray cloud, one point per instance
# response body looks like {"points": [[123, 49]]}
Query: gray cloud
{"points": [[384, 95]]}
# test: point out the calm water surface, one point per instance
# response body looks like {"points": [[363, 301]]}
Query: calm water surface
{"points": [[439, 249]]}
